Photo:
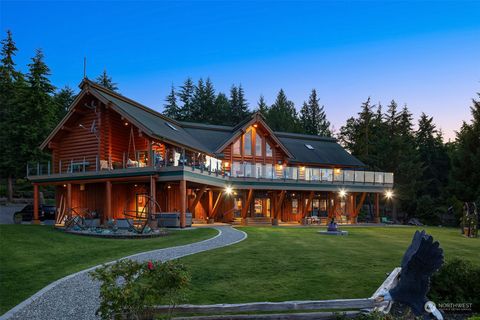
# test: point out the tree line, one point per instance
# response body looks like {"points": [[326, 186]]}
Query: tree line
{"points": [[431, 176]]}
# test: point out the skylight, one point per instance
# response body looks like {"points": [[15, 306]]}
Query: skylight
{"points": [[171, 126], [309, 146]]}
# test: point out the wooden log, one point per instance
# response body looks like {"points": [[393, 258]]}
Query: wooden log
{"points": [[198, 197], [246, 205], [341, 304], [387, 285], [217, 204], [360, 204]]}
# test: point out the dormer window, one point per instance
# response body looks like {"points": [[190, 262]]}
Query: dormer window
{"points": [[309, 147]]}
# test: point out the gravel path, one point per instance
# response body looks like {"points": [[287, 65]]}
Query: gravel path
{"points": [[76, 296]]}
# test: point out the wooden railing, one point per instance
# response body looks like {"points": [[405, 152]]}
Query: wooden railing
{"points": [[264, 309]]}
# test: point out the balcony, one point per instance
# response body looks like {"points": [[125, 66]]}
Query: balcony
{"points": [[238, 173]]}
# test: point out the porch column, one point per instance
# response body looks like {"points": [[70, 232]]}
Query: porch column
{"points": [[69, 199], [377, 208], [153, 202], [183, 203], [108, 200], [36, 195], [210, 204]]}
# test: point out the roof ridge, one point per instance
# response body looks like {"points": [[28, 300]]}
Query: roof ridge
{"points": [[305, 136], [218, 127], [128, 100]]}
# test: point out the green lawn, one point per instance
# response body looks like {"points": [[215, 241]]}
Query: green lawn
{"points": [[285, 263], [33, 256]]}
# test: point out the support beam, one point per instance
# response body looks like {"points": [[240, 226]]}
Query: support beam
{"points": [[308, 205], [197, 199], [360, 204], [278, 205], [377, 208], [210, 204], [108, 200], [36, 204], [153, 193], [183, 203], [247, 203], [69, 199], [217, 204]]}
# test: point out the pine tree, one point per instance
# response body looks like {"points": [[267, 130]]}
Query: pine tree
{"points": [[106, 81], [238, 104], [282, 115], [170, 108], [313, 118], [9, 88], [62, 100], [209, 113], [223, 109], [262, 106], [186, 95], [465, 175]]}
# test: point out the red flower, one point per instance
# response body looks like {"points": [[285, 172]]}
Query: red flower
{"points": [[150, 265]]}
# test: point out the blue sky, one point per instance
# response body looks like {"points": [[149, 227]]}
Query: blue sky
{"points": [[425, 54]]}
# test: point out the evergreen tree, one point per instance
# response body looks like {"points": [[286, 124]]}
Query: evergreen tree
{"points": [[171, 108], [186, 95], [262, 106], [62, 100], [9, 81], [223, 109], [203, 102], [106, 81], [282, 115], [465, 174], [209, 112], [238, 105], [313, 118]]}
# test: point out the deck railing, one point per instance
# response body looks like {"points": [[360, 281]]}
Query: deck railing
{"points": [[212, 165]]}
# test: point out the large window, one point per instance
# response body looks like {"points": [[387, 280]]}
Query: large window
{"points": [[258, 145], [248, 143], [236, 147], [268, 150]]}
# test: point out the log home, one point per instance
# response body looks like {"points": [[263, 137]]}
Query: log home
{"points": [[112, 156]]}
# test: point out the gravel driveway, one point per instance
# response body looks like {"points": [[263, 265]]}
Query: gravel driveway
{"points": [[76, 296]]}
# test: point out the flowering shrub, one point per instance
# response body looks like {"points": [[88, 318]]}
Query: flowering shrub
{"points": [[128, 288]]}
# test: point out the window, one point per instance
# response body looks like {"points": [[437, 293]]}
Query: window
{"points": [[236, 147], [248, 143], [309, 146], [258, 145], [294, 206], [171, 126], [268, 150], [258, 207]]}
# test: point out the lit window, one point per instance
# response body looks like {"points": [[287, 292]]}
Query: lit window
{"points": [[294, 206], [268, 150], [248, 143], [236, 147], [258, 145], [171, 126], [309, 146]]}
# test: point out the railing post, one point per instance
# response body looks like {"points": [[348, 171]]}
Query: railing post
{"points": [[374, 176], [183, 158], [71, 165], [343, 176], [354, 175]]}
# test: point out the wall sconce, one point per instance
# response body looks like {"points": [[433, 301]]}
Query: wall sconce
{"points": [[337, 170]]}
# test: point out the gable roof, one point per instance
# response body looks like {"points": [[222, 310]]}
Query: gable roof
{"points": [[211, 139]]}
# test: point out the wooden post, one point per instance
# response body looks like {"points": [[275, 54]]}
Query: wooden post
{"points": [[217, 204], [377, 208], [210, 204], [308, 205], [108, 200], [247, 203], [153, 201], [360, 204], [183, 203], [36, 195], [278, 205], [69, 199]]}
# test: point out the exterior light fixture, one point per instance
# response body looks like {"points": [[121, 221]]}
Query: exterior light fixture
{"points": [[389, 194], [302, 168], [64, 185], [255, 125], [337, 170], [169, 187], [228, 190], [342, 193], [126, 123]]}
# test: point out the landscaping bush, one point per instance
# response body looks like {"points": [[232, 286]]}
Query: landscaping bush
{"points": [[458, 281], [129, 288]]}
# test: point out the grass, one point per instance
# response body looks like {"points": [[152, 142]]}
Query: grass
{"points": [[33, 256], [285, 263]]}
